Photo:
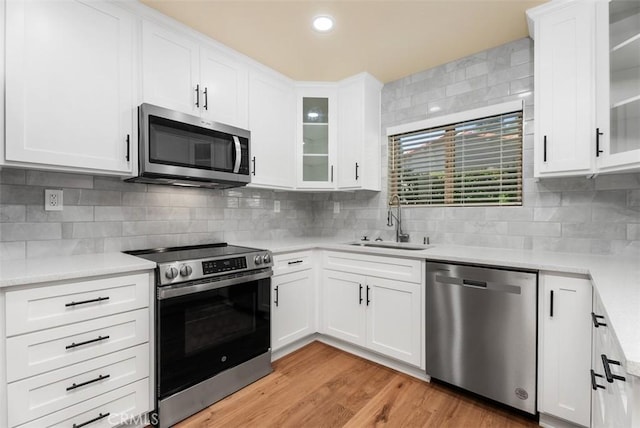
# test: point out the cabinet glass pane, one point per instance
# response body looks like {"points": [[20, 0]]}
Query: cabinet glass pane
{"points": [[315, 110], [316, 139], [315, 168], [624, 40]]}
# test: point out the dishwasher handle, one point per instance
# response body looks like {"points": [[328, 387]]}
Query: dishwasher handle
{"points": [[473, 283], [478, 285]]}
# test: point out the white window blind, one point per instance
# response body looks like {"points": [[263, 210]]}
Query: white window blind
{"points": [[475, 162]]}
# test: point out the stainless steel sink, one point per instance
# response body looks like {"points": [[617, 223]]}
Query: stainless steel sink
{"points": [[391, 245]]}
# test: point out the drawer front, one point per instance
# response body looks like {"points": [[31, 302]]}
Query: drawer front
{"points": [[291, 262], [40, 395], [106, 410], [383, 267], [35, 353], [38, 308]]}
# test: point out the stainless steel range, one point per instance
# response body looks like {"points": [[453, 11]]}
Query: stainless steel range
{"points": [[212, 324]]}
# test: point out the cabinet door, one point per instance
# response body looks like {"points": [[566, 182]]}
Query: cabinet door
{"points": [[170, 70], [69, 84], [316, 137], [271, 107], [292, 308], [344, 306], [225, 89], [564, 50], [566, 347], [618, 85], [393, 319], [358, 142]]}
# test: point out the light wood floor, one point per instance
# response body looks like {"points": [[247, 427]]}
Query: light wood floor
{"points": [[321, 386]]}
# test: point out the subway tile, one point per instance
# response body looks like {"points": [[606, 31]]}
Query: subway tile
{"points": [[21, 195], [64, 247], [116, 183], [12, 176], [486, 227], [535, 228], [168, 213], [477, 69], [120, 213], [615, 214], [633, 232], [468, 85], [573, 245], [208, 213], [611, 197], [617, 181], [12, 213], [13, 250], [570, 214], [130, 228], [509, 214], [29, 231], [96, 229], [633, 198], [37, 213], [98, 197], [521, 56], [125, 243], [59, 179], [594, 230], [521, 85]]}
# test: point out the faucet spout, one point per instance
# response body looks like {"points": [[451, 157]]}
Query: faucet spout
{"points": [[400, 236]]}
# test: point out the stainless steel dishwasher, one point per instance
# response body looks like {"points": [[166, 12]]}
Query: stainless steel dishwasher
{"points": [[481, 331]]}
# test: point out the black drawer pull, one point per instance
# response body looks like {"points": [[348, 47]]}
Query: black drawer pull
{"points": [[277, 296], [551, 305], [84, 302], [607, 370], [96, 419], [598, 134], [295, 262], [360, 294], [544, 148], [473, 283], [80, 385], [368, 301], [97, 339], [594, 385], [597, 323]]}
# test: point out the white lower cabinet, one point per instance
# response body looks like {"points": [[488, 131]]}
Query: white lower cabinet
{"points": [[564, 347], [381, 314], [293, 300], [78, 352], [615, 394]]}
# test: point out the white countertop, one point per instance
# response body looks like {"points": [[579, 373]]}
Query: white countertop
{"points": [[616, 278], [32, 271]]}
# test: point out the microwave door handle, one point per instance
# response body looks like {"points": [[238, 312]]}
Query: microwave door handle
{"points": [[236, 142]]}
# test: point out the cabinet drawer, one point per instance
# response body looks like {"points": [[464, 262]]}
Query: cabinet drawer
{"points": [[35, 353], [106, 410], [383, 267], [51, 391], [51, 306], [291, 262]]}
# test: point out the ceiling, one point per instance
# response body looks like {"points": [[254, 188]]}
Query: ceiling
{"points": [[388, 38]]}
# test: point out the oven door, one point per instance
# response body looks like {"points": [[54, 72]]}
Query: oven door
{"points": [[203, 333]]}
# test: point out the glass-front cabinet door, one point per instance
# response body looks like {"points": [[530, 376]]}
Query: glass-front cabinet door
{"points": [[618, 82], [316, 137]]}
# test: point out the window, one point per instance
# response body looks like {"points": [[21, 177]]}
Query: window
{"points": [[468, 161]]}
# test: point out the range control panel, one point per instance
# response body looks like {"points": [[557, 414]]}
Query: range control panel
{"points": [[224, 265]]}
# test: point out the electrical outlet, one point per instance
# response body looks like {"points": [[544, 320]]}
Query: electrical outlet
{"points": [[276, 206], [52, 200], [336, 207]]}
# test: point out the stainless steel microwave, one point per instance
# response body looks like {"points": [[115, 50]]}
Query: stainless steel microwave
{"points": [[180, 149]]}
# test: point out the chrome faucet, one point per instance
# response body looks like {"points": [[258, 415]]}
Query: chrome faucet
{"points": [[400, 236]]}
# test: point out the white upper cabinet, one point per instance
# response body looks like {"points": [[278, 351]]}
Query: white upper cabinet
{"points": [[358, 143], [564, 95], [618, 85], [587, 79], [70, 85], [271, 108], [181, 74]]}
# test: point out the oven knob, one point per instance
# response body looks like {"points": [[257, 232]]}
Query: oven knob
{"points": [[185, 270], [258, 260], [171, 273], [266, 258]]}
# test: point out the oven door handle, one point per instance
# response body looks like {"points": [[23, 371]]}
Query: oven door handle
{"points": [[177, 290], [236, 143]]}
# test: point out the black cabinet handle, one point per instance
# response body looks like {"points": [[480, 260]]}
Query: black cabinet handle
{"points": [[277, 296], [368, 301], [360, 294], [79, 385], [594, 384], [607, 370], [96, 419], [597, 323], [84, 302], [332, 173], [254, 165], [544, 148], [295, 262], [97, 339], [357, 171], [198, 95], [128, 157], [598, 134], [206, 99], [551, 305]]}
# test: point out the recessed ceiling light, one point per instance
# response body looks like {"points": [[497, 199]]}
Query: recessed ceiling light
{"points": [[323, 23]]}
